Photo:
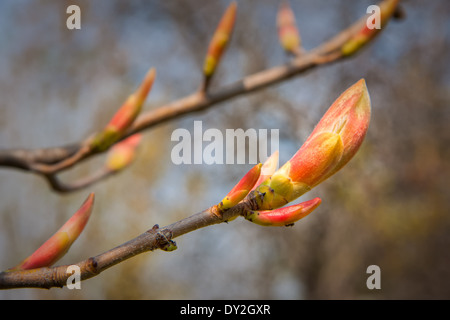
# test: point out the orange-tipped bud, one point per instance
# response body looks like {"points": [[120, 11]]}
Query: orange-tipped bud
{"points": [[125, 116], [348, 116], [333, 142], [287, 29], [369, 30], [241, 189], [283, 216], [57, 246], [220, 40], [123, 153]]}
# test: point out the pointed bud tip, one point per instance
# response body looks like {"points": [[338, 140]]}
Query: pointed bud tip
{"points": [[58, 244], [146, 86], [75, 225], [125, 116], [220, 40], [349, 117]]}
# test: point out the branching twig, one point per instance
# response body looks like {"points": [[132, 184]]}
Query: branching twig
{"points": [[155, 238]]}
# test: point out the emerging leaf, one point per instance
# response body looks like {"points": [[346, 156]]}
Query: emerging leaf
{"points": [[284, 216], [125, 116]]}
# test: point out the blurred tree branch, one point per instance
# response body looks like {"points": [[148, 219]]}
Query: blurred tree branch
{"points": [[49, 162]]}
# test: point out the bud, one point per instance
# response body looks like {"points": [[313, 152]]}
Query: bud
{"points": [[348, 116], [365, 34], [241, 189], [333, 142], [220, 40], [125, 116], [123, 153], [283, 216], [57, 246], [287, 29]]}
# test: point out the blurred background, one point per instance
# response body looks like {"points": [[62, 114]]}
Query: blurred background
{"points": [[388, 207]]}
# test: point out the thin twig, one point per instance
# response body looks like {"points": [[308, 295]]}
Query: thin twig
{"points": [[25, 158], [57, 185]]}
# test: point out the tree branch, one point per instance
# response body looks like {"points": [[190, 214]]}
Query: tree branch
{"points": [[155, 238], [57, 185]]}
